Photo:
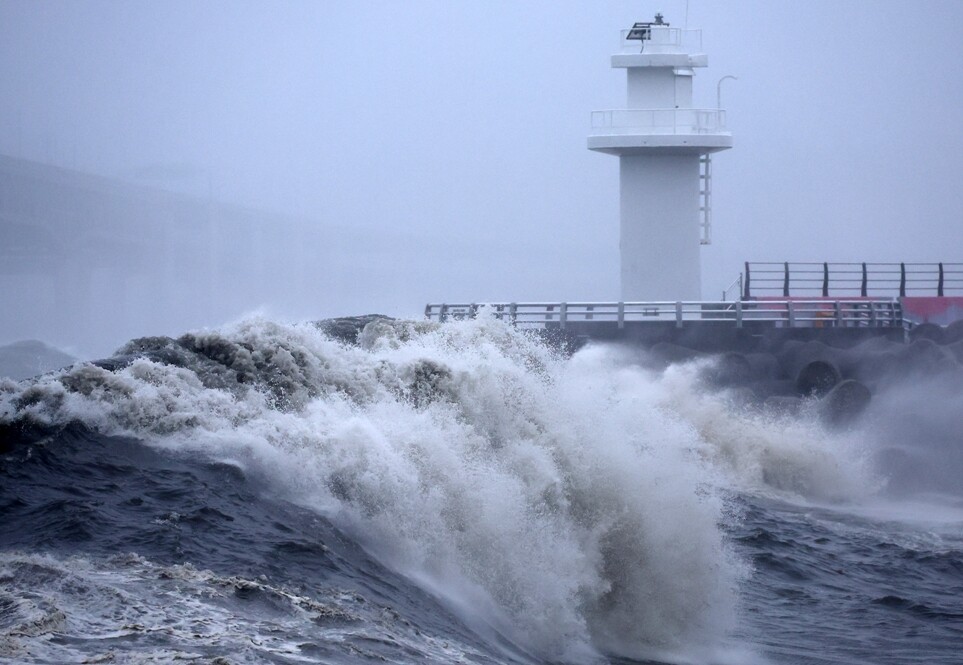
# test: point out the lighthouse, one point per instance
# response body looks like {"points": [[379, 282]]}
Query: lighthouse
{"points": [[664, 146]]}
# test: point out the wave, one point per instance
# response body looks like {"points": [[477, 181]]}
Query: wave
{"points": [[573, 505], [78, 609]]}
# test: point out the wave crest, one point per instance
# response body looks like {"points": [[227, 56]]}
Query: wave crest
{"points": [[559, 502]]}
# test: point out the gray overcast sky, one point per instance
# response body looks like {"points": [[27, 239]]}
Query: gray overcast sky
{"points": [[462, 125]]}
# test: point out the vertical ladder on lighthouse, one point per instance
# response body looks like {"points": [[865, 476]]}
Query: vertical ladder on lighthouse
{"points": [[705, 199]]}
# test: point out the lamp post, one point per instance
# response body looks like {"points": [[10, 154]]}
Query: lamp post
{"points": [[719, 89]]}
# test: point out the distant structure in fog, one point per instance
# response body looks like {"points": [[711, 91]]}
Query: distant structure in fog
{"points": [[664, 148], [94, 257]]}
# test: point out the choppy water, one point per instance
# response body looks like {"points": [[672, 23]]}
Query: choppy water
{"points": [[460, 493]]}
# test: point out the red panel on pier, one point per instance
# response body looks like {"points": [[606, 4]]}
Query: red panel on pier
{"points": [[941, 310]]}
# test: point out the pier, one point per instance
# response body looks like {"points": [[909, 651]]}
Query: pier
{"points": [[812, 301]]}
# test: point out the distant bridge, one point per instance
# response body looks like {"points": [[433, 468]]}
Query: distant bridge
{"points": [[85, 254]]}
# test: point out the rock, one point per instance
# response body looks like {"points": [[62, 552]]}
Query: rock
{"points": [[347, 328], [428, 380], [763, 366], [953, 333], [843, 404], [930, 331], [728, 369], [924, 356], [817, 378], [869, 359], [956, 348], [795, 355], [28, 358]]}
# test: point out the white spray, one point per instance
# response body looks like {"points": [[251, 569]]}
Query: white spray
{"points": [[575, 506]]}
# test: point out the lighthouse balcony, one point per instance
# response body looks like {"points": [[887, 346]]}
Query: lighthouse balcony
{"points": [[660, 46], [660, 39], [659, 121], [696, 130]]}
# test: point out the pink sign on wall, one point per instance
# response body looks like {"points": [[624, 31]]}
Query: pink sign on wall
{"points": [[941, 310]]}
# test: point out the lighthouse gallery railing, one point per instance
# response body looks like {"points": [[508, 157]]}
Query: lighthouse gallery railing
{"points": [[661, 37], [658, 121]]}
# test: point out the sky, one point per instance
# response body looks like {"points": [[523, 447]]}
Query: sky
{"points": [[451, 136]]}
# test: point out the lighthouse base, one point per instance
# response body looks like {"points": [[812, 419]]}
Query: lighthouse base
{"points": [[660, 239]]}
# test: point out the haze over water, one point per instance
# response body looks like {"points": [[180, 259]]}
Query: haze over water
{"points": [[398, 155]]}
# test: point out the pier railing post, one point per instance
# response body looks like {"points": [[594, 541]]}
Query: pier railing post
{"points": [[939, 284], [785, 280], [825, 280], [513, 312], [678, 314], [790, 313], [738, 314], [863, 289], [621, 315], [902, 280], [562, 315], [746, 292]]}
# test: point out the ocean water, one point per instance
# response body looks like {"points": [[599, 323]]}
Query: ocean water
{"points": [[463, 493]]}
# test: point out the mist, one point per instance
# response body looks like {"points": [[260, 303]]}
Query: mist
{"points": [[171, 166]]}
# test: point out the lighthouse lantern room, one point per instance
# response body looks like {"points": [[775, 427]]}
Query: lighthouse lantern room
{"points": [[664, 147]]}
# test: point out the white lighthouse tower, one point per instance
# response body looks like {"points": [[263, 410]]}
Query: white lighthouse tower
{"points": [[663, 145]]}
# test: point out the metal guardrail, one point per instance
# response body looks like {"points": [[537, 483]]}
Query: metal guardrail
{"points": [[736, 285], [661, 37], [868, 313], [613, 122], [852, 279]]}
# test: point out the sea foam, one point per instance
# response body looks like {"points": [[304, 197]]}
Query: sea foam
{"points": [[572, 505]]}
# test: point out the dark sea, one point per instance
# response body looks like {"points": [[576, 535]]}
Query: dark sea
{"points": [[461, 493]]}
